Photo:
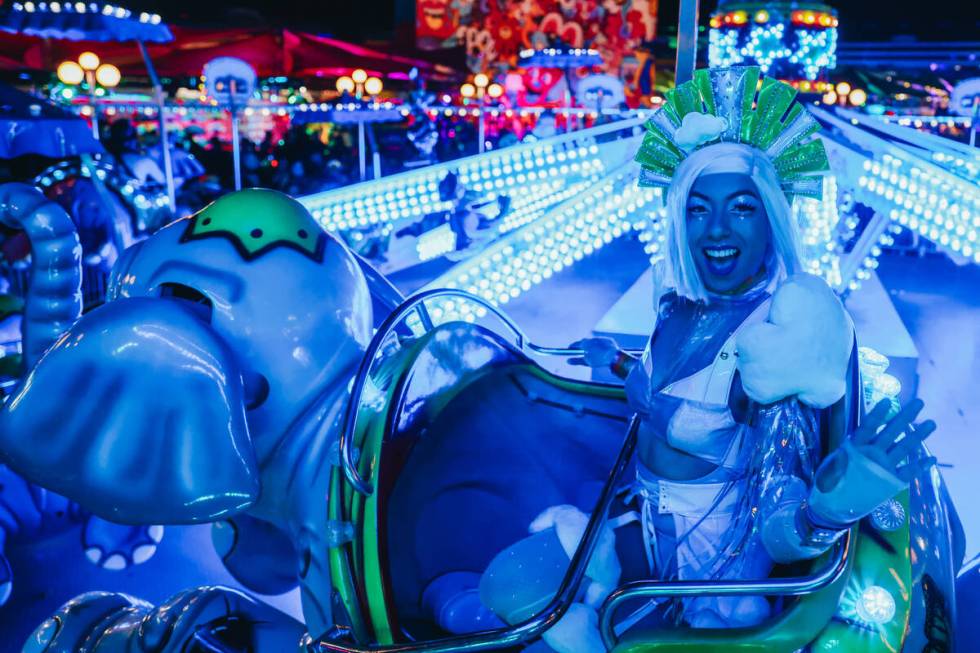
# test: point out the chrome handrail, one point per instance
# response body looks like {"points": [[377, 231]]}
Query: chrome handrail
{"points": [[417, 303], [834, 569], [551, 614], [413, 303]]}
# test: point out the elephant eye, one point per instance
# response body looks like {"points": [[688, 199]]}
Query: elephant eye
{"points": [[193, 299]]}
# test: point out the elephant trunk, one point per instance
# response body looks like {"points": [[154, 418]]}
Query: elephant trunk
{"points": [[54, 299]]}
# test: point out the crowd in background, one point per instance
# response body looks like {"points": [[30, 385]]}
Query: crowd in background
{"points": [[301, 159]]}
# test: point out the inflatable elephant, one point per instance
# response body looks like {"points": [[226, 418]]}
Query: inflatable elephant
{"points": [[208, 388], [29, 512]]}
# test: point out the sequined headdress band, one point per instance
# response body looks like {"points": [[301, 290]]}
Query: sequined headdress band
{"points": [[729, 105]]}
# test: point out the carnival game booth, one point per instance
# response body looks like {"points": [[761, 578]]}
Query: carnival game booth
{"points": [[448, 452]]}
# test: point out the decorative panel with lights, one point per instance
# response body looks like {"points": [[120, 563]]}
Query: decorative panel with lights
{"points": [[794, 41]]}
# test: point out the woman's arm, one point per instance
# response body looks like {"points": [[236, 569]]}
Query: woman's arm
{"points": [[603, 352], [875, 462]]}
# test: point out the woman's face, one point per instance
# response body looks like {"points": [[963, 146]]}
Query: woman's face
{"points": [[727, 231]]}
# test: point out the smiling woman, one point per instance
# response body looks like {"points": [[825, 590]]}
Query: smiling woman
{"points": [[748, 372], [723, 198], [727, 232]]}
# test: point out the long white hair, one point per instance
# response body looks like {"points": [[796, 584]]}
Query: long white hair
{"points": [[679, 272]]}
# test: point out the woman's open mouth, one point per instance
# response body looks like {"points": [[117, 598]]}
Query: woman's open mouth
{"points": [[721, 260]]}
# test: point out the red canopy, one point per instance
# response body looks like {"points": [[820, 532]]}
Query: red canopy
{"points": [[270, 52]]}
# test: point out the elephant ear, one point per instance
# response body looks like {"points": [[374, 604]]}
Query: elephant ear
{"points": [[137, 414]]}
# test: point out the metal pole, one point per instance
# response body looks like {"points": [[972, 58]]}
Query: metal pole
{"points": [[375, 155], [973, 121], [482, 131], [236, 149], [90, 78], [168, 166], [361, 159], [687, 42]]}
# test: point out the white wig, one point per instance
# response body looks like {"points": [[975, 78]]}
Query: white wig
{"points": [[679, 271]]}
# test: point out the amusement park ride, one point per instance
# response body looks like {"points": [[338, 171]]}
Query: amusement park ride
{"points": [[363, 445]]}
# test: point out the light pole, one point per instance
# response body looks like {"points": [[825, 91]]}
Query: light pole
{"points": [[480, 88], [687, 41], [89, 69], [373, 87], [359, 76], [358, 84]]}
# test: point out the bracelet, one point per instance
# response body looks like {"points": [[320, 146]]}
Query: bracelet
{"points": [[620, 366], [813, 532]]}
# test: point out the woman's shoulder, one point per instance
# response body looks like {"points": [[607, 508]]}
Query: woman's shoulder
{"points": [[803, 348]]}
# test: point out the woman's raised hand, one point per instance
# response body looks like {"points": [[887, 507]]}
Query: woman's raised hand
{"points": [[596, 352], [877, 461], [889, 442]]}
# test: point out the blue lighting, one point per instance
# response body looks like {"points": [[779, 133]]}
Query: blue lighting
{"points": [[787, 41], [875, 605]]}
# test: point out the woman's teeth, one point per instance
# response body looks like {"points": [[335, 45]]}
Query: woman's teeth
{"points": [[720, 253], [721, 261]]}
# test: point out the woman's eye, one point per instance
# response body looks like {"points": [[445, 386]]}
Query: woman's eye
{"points": [[744, 207], [697, 210]]}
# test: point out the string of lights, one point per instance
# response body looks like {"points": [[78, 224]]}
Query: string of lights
{"points": [[565, 159]]}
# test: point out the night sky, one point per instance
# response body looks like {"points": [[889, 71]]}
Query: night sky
{"points": [[376, 19]]}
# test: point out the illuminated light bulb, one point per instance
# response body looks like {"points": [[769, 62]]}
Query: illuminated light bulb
{"points": [[875, 605], [495, 90], [108, 75], [373, 85], [71, 73], [843, 88], [481, 80], [762, 16], [359, 76], [345, 85], [88, 60], [857, 97]]}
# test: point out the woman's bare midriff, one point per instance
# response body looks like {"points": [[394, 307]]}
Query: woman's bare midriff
{"points": [[667, 462]]}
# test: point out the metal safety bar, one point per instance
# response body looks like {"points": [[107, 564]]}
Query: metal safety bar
{"points": [[412, 304], [551, 614], [801, 585], [416, 303]]}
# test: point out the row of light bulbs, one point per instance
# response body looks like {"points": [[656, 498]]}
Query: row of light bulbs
{"points": [[528, 205], [959, 165], [85, 8], [575, 229], [417, 193], [818, 225], [617, 206], [940, 207]]}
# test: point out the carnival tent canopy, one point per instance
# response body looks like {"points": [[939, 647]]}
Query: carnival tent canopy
{"points": [[30, 125], [270, 51], [83, 20]]}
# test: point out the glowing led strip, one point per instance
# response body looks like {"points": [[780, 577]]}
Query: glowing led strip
{"points": [[565, 235], [525, 208], [940, 207], [818, 221], [415, 193]]}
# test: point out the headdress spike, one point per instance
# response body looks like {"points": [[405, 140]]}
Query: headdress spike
{"points": [[757, 111]]}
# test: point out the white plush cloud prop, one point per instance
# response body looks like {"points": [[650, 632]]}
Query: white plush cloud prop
{"points": [[697, 128], [803, 348], [570, 523]]}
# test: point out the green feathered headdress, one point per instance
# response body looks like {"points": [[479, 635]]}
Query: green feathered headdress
{"points": [[735, 105]]}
